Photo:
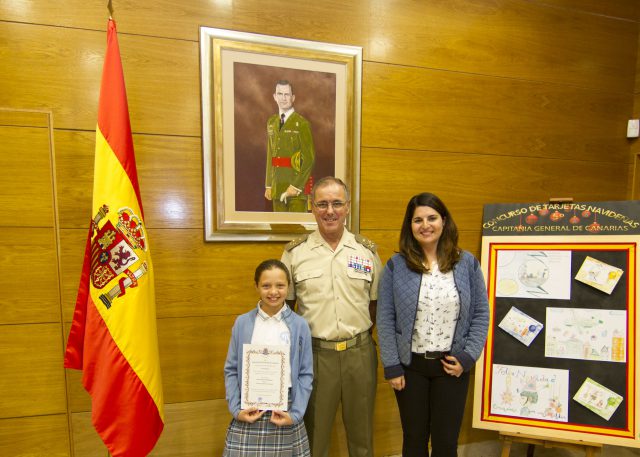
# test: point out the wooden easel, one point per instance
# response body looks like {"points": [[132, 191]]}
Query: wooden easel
{"points": [[590, 449]]}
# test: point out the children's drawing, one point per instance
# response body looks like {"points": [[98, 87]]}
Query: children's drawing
{"points": [[522, 327], [534, 274], [586, 334], [598, 274], [530, 392], [598, 398]]}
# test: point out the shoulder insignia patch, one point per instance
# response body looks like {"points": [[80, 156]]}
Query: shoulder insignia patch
{"points": [[366, 242], [296, 242]]}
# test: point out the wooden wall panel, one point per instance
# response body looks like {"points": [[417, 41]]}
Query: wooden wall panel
{"points": [[192, 355], [415, 108], [636, 88], [75, 150], [623, 9], [72, 245], [387, 434], [32, 381], [633, 192], [172, 19], [29, 278], [24, 152], [633, 181], [330, 20], [512, 38], [23, 118], [194, 429], [58, 68], [467, 181], [79, 399], [41, 436], [169, 173], [86, 441]]}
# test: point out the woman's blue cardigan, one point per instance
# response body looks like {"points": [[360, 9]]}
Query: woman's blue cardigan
{"points": [[398, 304]]}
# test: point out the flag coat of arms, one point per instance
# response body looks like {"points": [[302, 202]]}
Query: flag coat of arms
{"points": [[113, 337]]}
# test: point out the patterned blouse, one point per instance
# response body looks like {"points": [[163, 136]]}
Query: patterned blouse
{"points": [[438, 309]]}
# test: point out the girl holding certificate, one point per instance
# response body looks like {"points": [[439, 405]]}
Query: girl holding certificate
{"points": [[433, 317], [272, 324]]}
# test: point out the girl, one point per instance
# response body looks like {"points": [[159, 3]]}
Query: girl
{"points": [[272, 322]]}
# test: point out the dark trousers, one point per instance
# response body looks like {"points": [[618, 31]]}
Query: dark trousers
{"points": [[431, 405]]}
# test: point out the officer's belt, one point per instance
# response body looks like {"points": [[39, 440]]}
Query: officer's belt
{"points": [[341, 345], [281, 162]]}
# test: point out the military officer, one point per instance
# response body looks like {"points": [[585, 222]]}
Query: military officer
{"points": [[335, 275], [290, 154]]}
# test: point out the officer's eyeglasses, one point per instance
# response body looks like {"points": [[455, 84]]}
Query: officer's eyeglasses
{"points": [[336, 204]]}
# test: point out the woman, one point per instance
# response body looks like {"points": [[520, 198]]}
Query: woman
{"points": [[270, 433], [433, 316]]}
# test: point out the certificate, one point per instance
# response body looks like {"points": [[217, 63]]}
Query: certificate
{"points": [[265, 375]]}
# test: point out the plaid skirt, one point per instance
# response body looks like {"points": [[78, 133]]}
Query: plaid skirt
{"points": [[264, 439]]}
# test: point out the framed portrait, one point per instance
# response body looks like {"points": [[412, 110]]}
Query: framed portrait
{"points": [[278, 114]]}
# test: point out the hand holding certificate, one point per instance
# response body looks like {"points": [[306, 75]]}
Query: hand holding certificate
{"points": [[265, 377]]}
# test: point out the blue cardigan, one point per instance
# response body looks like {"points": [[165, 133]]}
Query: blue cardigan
{"points": [[398, 304], [301, 359]]}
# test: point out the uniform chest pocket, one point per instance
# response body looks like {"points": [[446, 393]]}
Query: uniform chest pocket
{"points": [[307, 275], [309, 282]]}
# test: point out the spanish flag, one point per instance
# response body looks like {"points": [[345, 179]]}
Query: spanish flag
{"points": [[113, 337]]}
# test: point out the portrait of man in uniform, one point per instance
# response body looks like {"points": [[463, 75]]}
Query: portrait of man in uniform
{"points": [[278, 115], [284, 136], [290, 154]]}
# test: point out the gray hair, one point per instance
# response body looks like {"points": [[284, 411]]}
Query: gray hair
{"points": [[327, 180]]}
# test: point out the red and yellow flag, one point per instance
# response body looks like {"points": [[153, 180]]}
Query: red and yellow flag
{"points": [[113, 337]]}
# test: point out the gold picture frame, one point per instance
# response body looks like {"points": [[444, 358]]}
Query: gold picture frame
{"points": [[239, 73]]}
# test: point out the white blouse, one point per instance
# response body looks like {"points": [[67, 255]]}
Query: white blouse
{"points": [[438, 310], [272, 330]]}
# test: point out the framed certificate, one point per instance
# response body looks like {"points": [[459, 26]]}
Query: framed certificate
{"points": [[265, 377]]}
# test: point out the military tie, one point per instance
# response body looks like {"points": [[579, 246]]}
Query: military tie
{"points": [[281, 120]]}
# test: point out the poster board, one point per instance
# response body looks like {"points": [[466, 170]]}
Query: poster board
{"points": [[561, 358]]}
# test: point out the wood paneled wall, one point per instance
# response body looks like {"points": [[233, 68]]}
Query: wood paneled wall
{"points": [[478, 101], [634, 156]]}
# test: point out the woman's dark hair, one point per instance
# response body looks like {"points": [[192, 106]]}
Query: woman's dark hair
{"points": [[448, 251], [270, 264]]}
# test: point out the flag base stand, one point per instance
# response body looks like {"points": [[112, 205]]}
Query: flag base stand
{"points": [[590, 449]]}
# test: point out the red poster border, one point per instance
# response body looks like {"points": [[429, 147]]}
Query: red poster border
{"points": [[629, 431]]}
